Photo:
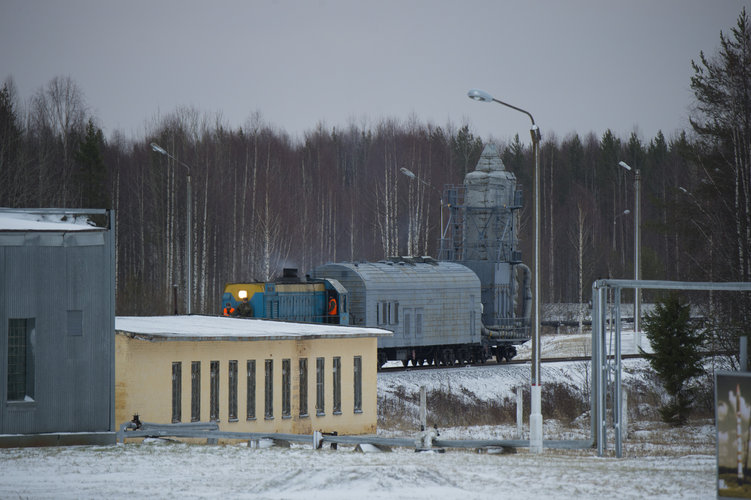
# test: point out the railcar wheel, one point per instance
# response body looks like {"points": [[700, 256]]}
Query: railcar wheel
{"points": [[433, 358], [464, 358], [499, 352], [405, 362], [448, 357], [481, 356]]}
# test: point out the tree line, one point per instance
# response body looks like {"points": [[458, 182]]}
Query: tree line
{"points": [[262, 201]]}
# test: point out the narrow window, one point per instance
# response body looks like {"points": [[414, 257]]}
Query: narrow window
{"points": [[232, 402], [395, 317], [418, 322], [251, 392], [358, 384], [195, 391], [286, 389], [269, 392], [75, 323], [177, 389], [214, 396], [319, 386], [303, 387], [337, 385], [20, 359]]}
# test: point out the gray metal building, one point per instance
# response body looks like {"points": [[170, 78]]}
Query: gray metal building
{"points": [[57, 309]]}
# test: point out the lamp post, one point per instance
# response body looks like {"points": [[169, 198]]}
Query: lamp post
{"points": [[535, 417], [412, 175], [188, 228], [625, 212], [637, 244]]}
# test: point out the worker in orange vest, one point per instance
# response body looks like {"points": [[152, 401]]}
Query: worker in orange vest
{"points": [[332, 307], [229, 310]]}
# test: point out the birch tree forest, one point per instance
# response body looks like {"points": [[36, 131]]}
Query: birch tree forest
{"points": [[262, 201]]}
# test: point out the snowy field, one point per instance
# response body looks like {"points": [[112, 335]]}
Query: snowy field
{"points": [[659, 462], [185, 471]]}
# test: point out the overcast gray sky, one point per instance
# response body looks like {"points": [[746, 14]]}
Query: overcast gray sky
{"points": [[578, 66]]}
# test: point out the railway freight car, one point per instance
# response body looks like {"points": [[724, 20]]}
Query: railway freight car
{"points": [[432, 307]]}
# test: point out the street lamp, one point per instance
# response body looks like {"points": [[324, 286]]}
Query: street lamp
{"points": [[637, 243], [188, 228], [625, 212], [535, 417]]}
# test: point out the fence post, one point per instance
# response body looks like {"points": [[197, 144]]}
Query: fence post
{"points": [[317, 440], [423, 408], [519, 412], [744, 354], [624, 413]]}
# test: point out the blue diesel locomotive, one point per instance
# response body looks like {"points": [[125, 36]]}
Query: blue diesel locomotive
{"points": [[289, 299]]}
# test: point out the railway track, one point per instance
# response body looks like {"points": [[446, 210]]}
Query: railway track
{"points": [[568, 359]]}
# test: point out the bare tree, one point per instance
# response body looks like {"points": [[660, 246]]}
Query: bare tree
{"points": [[580, 235]]}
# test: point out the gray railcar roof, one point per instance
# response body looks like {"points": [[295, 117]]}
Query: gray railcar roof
{"points": [[386, 274]]}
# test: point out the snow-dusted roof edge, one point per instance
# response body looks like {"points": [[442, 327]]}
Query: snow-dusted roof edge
{"points": [[218, 328], [19, 220]]}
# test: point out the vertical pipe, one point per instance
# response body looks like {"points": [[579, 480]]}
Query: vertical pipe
{"points": [[188, 250], [744, 353], [601, 368], [519, 412], [739, 431], [112, 243], [637, 264], [617, 388], [594, 407], [535, 417], [423, 409], [624, 413]]}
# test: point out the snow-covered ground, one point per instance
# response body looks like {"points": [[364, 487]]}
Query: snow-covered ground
{"points": [[659, 462], [185, 471]]}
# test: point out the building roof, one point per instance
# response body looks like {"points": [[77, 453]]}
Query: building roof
{"points": [[174, 328], [47, 219]]}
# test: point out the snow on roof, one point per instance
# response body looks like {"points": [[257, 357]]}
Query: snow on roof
{"points": [[222, 328], [18, 220]]}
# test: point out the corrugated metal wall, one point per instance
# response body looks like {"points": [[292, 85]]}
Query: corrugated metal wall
{"points": [[64, 282]]}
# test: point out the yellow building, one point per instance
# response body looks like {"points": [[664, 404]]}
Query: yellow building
{"points": [[248, 375]]}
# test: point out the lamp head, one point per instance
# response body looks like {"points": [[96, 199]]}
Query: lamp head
{"points": [[479, 95], [407, 172], [624, 165], [156, 147]]}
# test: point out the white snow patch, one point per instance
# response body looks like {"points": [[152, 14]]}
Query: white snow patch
{"points": [[16, 221]]}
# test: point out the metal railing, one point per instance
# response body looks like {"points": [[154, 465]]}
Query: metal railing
{"points": [[210, 431]]}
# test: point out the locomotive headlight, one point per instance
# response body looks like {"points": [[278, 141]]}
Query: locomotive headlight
{"points": [[243, 294]]}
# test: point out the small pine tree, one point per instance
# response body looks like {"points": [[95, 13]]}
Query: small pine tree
{"points": [[676, 357]]}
